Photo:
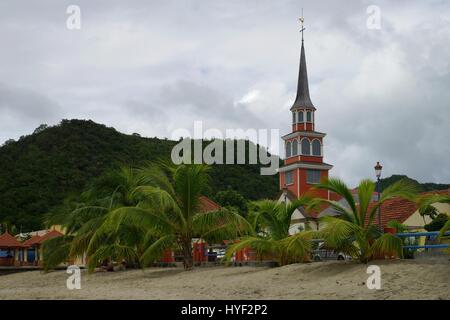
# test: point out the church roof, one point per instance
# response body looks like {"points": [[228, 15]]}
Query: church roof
{"points": [[303, 99]]}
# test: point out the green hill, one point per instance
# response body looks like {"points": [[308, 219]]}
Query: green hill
{"points": [[40, 170], [423, 187]]}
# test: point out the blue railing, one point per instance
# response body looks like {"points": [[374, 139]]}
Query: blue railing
{"points": [[424, 234]]}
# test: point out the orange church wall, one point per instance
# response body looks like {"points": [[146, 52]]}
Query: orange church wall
{"points": [[291, 187], [311, 159], [292, 160], [302, 127], [303, 159], [304, 186]]}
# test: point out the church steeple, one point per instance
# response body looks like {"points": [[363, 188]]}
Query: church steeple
{"points": [[303, 165], [303, 99]]}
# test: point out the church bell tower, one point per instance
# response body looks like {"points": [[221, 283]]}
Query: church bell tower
{"points": [[304, 151]]}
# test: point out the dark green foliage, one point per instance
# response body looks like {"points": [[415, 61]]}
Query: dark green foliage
{"points": [[437, 223], [422, 187], [41, 170], [232, 199]]}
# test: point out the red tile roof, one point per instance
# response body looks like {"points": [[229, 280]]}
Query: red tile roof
{"points": [[32, 241], [8, 241], [207, 205], [400, 209], [50, 235], [395, 209]]}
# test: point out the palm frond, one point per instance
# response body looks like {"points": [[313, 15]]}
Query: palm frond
{"points": [[155, 220], [115, 252], [444, 229], [337, 231], [338, 186], [298, 247], [399, 227], [365, 192], [261, 246], [387, 245], [402, 188], [219, 225], [152, 175], [56, 251], [157, 249]]}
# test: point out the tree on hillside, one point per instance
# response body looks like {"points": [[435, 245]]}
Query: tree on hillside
{"points": [[41, 170], [232, 199], [39, 129]]}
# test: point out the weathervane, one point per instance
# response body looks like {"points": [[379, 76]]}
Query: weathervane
{"points": [[302, 20]]}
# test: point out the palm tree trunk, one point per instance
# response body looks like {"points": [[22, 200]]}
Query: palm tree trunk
{"points": [[186, 247]]}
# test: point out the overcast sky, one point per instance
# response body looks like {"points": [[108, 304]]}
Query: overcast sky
{"points": [[154, 66]]}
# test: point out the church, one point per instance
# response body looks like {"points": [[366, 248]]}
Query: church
{"points": [[304, 152]]}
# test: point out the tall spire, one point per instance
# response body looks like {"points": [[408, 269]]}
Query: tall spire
{"points": [[303, 99]]}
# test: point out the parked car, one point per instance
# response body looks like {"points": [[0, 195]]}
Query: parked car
{"points": [[321, 254]]}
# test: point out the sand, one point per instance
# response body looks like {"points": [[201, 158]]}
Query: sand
{"points": [[404, 279]]}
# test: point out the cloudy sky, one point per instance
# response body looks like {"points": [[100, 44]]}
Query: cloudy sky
{"points": [[155, 66]]}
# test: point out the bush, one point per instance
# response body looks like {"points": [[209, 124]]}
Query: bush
{"points": [[437, 223]]}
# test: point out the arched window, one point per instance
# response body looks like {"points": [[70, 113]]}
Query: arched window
{"points": [[306, 147], [293, 117], [309, 116], [301, 117], [288, 149], [316, 148], [294, 147]]}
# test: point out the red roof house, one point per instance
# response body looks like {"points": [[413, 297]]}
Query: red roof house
{"points": [[32, 241], [8, 241], [207, 205], [50, 235]]}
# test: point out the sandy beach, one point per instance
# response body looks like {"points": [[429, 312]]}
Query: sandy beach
{"points": [[324, 280]]}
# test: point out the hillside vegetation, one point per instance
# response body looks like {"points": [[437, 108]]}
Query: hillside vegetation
{"points": [[40, 170]]}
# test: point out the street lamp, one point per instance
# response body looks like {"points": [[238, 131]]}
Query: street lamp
{"points": [[285, 191], [378, 167]]}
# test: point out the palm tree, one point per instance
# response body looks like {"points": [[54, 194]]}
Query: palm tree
{"points": [[82, 218], [269, 235], [169, 214], [354, 232]]}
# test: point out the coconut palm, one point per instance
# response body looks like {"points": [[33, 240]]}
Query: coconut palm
{"points": [[354, 231], [169, 213], [270, 226], [82, 219]]}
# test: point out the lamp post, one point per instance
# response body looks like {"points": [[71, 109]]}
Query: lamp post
{"points": [[285, 191], [378, 167]]}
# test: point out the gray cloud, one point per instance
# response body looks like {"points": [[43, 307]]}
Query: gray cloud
{"points": [[155, 66]]}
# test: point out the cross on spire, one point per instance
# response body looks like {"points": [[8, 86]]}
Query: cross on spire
{"points": [[303, 99], [302, 20]]}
